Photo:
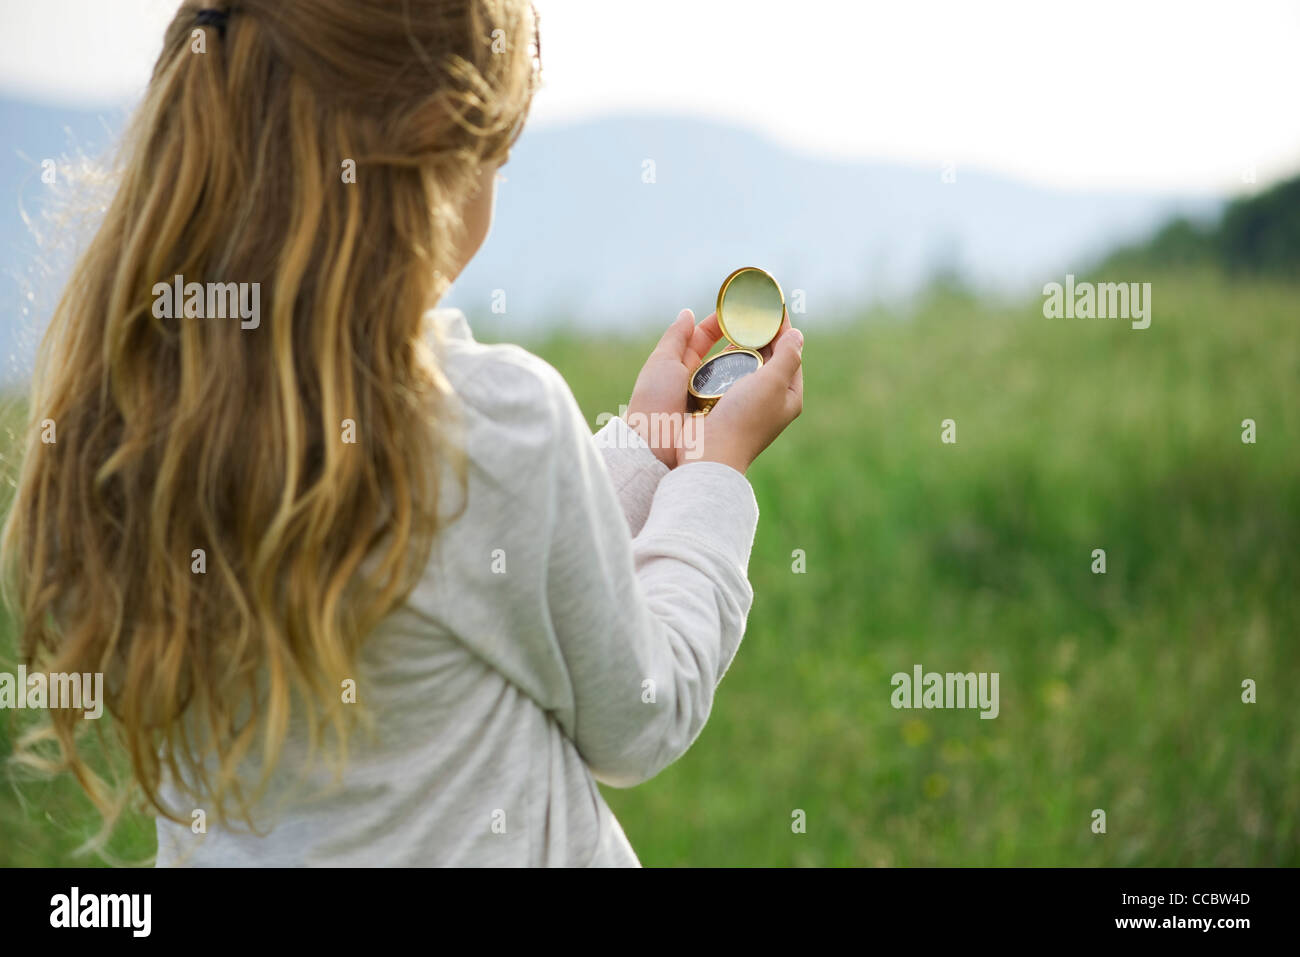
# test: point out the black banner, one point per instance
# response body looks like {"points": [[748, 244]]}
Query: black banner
{"points": [[330, 907]]}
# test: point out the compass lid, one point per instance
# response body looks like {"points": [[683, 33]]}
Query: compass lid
{"points": [[751, 307]]}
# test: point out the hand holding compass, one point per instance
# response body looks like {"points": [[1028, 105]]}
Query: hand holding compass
{"points": [[755, 409], [679, 385]]}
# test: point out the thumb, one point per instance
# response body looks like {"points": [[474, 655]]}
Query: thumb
{"points": [[787, 357], [678, 335]]}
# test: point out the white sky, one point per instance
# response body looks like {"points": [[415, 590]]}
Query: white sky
{"points": [[1176, 94]]}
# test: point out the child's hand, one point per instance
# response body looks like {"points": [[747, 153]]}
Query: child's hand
{"points": [[657, 408], [755, 410]]}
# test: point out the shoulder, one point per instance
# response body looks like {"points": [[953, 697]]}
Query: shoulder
{"points": [[508, 393]]}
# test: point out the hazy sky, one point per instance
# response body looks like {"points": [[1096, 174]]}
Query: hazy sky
{"points": [[1134, 93]]}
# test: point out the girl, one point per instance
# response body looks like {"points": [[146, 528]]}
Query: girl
{"points": [[348, 517]]}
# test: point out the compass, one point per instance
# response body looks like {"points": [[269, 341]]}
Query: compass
{"points": [[751, 308]]}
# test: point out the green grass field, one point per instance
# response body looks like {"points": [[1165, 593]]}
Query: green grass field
{"points": [[1119, 691]]}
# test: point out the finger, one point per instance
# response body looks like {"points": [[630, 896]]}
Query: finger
{"points": [[787, 357], [703, 338], [675, 340], [794, 395]]}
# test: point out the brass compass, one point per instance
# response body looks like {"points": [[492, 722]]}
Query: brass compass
{"points": [[751, 308]]}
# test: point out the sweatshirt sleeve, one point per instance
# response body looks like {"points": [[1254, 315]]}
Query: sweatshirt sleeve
{"points": [[646, 627], [634, 470]]}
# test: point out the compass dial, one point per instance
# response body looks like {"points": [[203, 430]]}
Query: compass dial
{"points": [[721, 372]]}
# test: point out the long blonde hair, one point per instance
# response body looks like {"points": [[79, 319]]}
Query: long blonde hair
{"points": [[173, 435]]}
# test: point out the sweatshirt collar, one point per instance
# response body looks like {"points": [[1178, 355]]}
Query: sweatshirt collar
{"points": [[452, 323]]}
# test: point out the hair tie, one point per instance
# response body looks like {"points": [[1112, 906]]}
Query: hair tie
{"points": [[212, 18]]}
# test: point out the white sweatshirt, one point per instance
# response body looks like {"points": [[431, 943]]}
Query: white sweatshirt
{"points": [[570, 627]]}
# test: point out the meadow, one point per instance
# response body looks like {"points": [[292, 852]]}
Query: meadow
{"points": [[1119, 691]]}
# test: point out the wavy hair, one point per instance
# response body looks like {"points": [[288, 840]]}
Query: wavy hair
{"points": [[178, 434]]}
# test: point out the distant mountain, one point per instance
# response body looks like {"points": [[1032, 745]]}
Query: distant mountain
{"points": [[620, 221], [1256, 234], [579, 235]]}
